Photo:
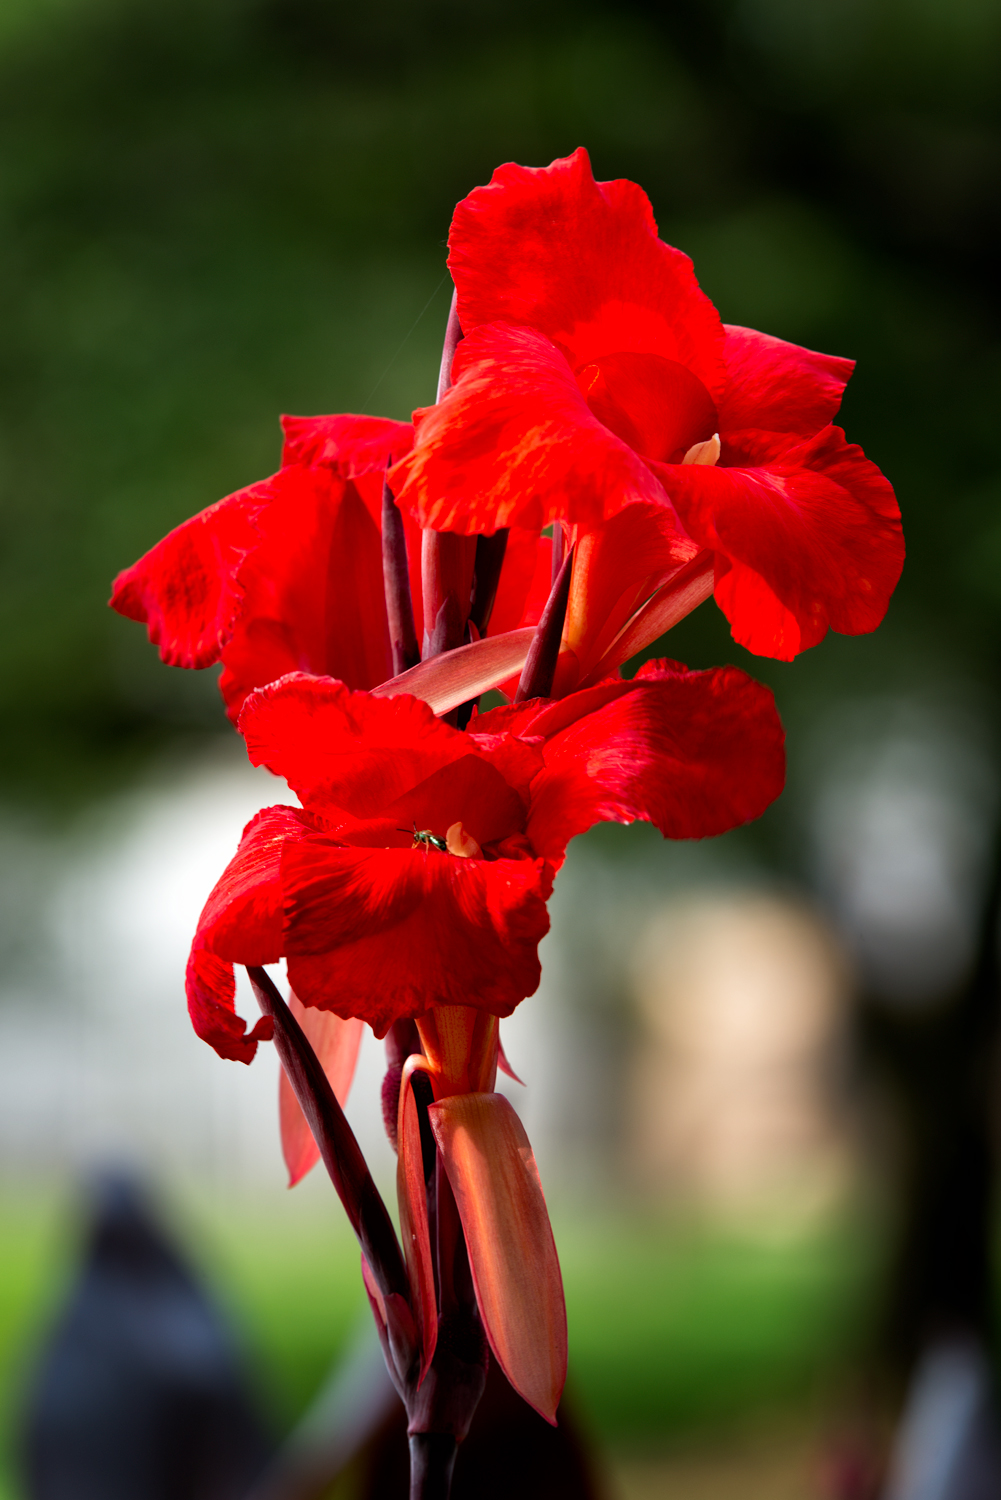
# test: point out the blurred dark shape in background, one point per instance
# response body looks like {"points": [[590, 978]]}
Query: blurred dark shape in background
{"points": [[356, 1431], [139, 1392], [910, 862]]}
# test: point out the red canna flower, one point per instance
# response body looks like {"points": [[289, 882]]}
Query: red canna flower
{"points": [[413, 882], [417, 870], [594, 374]]}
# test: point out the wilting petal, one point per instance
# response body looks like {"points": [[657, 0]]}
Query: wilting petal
{"points": [[377, 932], [777, 386], [186, 589], [241, 922], [512, 1256], [412, 1198], [350, 445], [514, 443], [313, 596], [694, 753], [808, 534], [580, 260], [336, 1043]]}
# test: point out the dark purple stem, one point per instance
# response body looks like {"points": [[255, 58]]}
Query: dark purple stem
{"points": [[432, 1459], [559, 549], [396, 581], [453, 338], [490, 552], [341, 1153], [540, 665]]}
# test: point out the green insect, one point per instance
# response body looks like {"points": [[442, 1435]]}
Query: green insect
{"points": [[425, 839]]}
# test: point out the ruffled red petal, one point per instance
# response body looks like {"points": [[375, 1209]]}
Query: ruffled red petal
{"points": [[385, 933], [514, 443], [350, 749], [386, 758], [241, 922], [186, 589], [580, 261], [694, 753], [807, 535], [313, 596], [777, 386], [350, 445]]}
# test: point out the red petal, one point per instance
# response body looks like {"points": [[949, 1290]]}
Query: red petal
{"points": [[809, 531], [685, 590], [357, 750], [385, 933], [580, 261], [694, 753], [513, 443], [336, 1043], [241, 923], [617, 567], [348, 444], [412, 1198], [313, 588], [778, 386], [186, 589], [512, 1255]]}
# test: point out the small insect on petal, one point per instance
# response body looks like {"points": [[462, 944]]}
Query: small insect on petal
{"points": [[459, 842], [703, 453]]}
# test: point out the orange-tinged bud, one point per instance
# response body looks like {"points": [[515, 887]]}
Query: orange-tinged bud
{"points": [[512, 1254]]}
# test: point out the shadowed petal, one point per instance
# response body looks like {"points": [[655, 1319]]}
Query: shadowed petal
{"points": [[411, 1194], [336, 1043], [512, 1255]]}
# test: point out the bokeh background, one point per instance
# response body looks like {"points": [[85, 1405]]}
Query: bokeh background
{"points": [[218, 210]]}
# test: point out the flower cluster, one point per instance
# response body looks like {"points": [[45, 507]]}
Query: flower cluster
{"points": [[603, 455]]}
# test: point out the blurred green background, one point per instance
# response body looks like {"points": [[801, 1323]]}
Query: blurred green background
{"points": [[217, 210]]}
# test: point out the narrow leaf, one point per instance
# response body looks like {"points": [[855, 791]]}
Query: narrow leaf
{"points": [[336, 1043], [446, 681], [512, 1255]]}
